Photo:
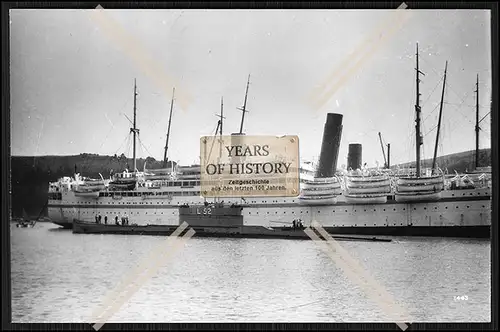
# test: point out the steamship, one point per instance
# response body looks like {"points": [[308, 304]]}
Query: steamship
{"points": [[383, 203]]}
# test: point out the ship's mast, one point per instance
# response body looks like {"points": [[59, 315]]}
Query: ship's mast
{"points": [[219, 126], [221, 116], [134, 130], [218, 130], [417, 120], [244, 108], [168, 130], [439, 119], [477, 121]]}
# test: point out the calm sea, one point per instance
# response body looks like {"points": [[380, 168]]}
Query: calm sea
{"points": [[58, 276]]}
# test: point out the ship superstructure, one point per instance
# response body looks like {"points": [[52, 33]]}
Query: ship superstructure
{"points": [[356, 201]]}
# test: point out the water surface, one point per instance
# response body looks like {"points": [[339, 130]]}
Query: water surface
{"points": [[61, 277]]}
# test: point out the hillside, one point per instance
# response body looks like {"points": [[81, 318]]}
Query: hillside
{"points": [[30, 175], [460, 162]]}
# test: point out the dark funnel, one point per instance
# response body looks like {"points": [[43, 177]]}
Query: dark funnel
{"points": [[354, 160], [330, 146]]}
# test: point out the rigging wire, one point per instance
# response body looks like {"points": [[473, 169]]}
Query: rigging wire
{"points": [[433, 90], [452, 90], [485, 116], [121, 145], [470, 106], [431, 112], [431, 130], [109, 132], [124, 140], [127, 150], [213, 142], [145, 148]]}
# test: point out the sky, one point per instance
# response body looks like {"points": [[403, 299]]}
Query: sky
{"points": [[72, 79]]}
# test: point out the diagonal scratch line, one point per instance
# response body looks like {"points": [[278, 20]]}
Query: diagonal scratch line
{"points": [[134, 287], [127, 294], [151, 68], [344, 78], [109, 132], [355, 272], [139, 276], [351, 274], [40, 135], [110, 122], [376, 32], [319, 99], [345, 255], [145, 263]]}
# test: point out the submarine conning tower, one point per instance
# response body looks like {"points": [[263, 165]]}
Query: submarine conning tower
{"points": [[354, 157], [332, 134]]}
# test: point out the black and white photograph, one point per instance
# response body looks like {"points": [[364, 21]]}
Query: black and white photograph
{"points": [[245, 166]]}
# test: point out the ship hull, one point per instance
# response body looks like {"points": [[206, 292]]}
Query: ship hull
{"points": [[63, 223], [456, 210], [257, 232], [478, 232], [475, 232]]}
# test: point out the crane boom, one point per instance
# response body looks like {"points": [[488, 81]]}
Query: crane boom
{"points": [[383, 151]]}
